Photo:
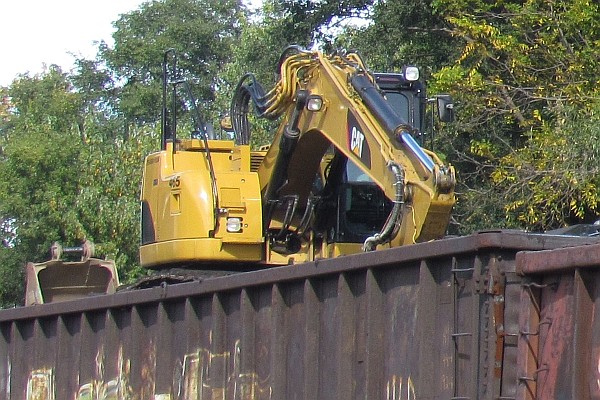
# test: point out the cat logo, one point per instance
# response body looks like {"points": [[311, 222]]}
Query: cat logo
{"points": [[356, 141]]}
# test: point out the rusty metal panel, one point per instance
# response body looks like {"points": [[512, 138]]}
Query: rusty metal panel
{"points": [[437, 320], [563, 335]]}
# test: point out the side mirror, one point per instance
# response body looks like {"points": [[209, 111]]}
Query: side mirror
{"points": [[445, 107]]}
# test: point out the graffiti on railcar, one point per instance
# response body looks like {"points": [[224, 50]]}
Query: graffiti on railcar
{"points": [[398, 388], [194, 379], [597, 390], [100, 391], [203, 374], [199, 375], [115, 388], [40, 385], [447, 366]]}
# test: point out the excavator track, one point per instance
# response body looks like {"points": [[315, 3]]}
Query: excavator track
{"points": [[172, 276]]}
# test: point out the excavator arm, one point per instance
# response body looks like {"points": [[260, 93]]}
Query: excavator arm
{"points": [[330, 105]]}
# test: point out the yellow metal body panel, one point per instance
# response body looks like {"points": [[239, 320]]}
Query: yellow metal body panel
{"points": [[198, 250], [334, 250], [189, 224]]}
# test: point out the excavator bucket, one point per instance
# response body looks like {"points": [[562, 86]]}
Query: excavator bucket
{"points": [[59, 280]]}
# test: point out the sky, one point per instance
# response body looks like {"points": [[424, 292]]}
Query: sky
{"points": [[44, 32]]}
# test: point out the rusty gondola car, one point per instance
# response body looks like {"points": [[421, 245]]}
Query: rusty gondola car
{"points": [[496, 315]]}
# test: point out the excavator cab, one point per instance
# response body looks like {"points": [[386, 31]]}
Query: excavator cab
{"points": [[407, 94], [359, 208]]}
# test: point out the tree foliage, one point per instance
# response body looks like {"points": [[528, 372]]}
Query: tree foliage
{"points": [[38, 172], [307, 23], [402, 33], [523, 74], [554, 180], [526, 70], [62, 178], [108, 199], [524, 58], [201, 33]]}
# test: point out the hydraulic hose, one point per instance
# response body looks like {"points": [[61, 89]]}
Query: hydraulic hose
{"points": [[392, 224], [393, 123], [272, 104], [287, 144]]}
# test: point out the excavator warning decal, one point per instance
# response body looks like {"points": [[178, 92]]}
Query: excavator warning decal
{"points": [[356, 140]]}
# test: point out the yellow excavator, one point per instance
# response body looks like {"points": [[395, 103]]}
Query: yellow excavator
{"points": [[345, 171]]}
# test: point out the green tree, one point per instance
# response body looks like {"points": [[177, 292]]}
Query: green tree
{"points": [[526, 67], [39, 171], [201, 32], [257, 52], [309, 23], [108, 199], [12, 275], [403, 33], [63, 178], [554, 180]]}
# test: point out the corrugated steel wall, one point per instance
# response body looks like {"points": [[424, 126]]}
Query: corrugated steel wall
{"points": [[442, 320], [563, 291]]}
